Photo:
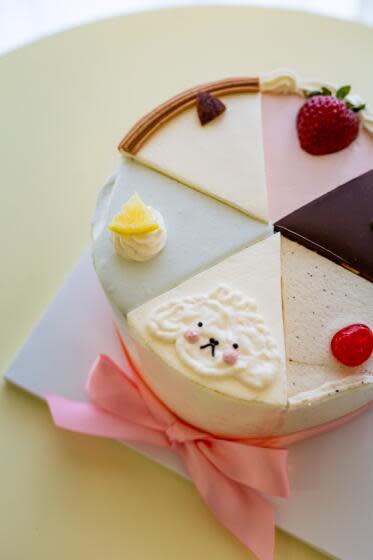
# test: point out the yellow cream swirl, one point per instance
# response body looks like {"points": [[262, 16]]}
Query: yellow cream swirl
{"points": [[143, 246]]}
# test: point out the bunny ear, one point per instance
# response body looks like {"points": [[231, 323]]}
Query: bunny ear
{"points": [[167, 320], [220, 293], [233, 298]]}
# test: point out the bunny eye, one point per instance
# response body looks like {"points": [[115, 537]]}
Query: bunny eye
{"points": [[235, 345], [200, 324]]}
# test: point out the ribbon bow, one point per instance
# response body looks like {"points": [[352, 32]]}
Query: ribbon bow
{"points": [[230, 475]]}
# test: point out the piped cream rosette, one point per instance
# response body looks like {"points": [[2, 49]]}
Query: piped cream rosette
{"points": [[138, 232]]}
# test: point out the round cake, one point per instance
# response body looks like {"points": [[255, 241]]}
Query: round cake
{"points": [[234, 242]]}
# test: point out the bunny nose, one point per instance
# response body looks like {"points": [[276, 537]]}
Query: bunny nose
{"points": [[214, 341]]}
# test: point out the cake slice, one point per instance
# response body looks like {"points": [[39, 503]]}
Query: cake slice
{"points": [[213, 347], [320, 298], [201, 231], [223, 158], [295, 177]]}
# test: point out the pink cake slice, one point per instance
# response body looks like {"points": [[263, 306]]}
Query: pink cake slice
{"points": [[295, 177]]}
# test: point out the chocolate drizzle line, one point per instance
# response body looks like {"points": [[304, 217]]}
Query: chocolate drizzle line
{"points": [[150, 123]]}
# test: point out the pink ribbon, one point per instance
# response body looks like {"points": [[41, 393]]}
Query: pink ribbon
{"points": [[230, 475]]}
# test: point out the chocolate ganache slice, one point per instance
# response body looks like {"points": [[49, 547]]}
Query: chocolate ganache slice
{"points": [[337, 225]]}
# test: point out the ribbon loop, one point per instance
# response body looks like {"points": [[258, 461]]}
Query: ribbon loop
{"points": [[228, 474]]}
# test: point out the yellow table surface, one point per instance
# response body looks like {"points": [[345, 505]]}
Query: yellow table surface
{"points": [[65, 102]]}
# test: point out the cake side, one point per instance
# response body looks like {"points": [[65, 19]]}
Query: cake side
{"points": [[210, 410]]}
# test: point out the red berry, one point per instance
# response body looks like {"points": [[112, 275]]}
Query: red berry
{"points": [[352, 345], [325, 125]]}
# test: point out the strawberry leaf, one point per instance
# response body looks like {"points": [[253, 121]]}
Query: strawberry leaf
{"points": [[309, 94], [325, 91], [358, 108], [343, 91], [349, 105]]}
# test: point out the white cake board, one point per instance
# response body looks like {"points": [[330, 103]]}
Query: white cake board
{"points": [[331, 504]]}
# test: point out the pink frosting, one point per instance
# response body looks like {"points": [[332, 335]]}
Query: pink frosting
{"points": [[191, 335], [230, 357], [294, 177]]}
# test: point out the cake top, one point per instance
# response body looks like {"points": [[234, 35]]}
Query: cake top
{"points": [[215, 166]]}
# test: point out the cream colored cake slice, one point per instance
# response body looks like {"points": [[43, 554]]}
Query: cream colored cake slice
{"points": [[213, 347], [319, 298], [224, 158]]}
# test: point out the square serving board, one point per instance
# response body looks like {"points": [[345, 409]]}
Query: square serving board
{"points": [[331, 503]]}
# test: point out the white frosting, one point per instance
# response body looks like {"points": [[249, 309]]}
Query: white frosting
{"points": [[144, 246], [224, 159], [210, 409], [232, 317], [280, 82], [325, 403], [286, 82], [328, 388], [228, 317]]}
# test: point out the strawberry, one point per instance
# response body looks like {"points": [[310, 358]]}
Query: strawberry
{"points": [[327, 123]]}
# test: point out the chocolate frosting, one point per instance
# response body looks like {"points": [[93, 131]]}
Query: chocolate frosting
{"points": [[208, 107], [337, 225]]}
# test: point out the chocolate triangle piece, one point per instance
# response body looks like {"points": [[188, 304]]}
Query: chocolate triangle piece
{"points": [[208, 107], [337, 225]]}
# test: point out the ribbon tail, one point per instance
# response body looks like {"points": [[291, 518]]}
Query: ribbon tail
{"points": [[261, 468], [243, 511], [87, 418]]}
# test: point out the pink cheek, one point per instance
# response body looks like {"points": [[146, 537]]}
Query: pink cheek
{"points": [[191, 335], [230, 357]]}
